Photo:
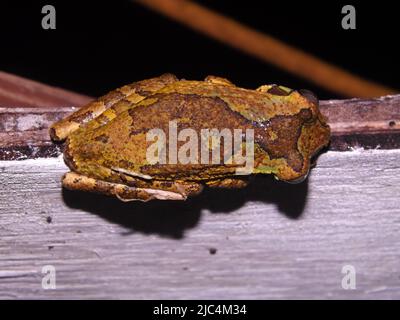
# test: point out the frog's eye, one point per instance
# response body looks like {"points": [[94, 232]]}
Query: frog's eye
{"points": [[309, 96], [279, 90]]}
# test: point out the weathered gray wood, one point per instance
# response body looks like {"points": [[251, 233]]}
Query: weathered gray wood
{"points": [[273, 240]]}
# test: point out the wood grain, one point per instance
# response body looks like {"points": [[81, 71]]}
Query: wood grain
{"points": [[365, 123], [369, 124], [270, 240]]}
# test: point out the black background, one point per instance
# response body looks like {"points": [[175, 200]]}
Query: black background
{"points": [[100, 45]]}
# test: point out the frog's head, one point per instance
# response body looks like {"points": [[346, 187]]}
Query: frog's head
{"points": [[300, 136]]}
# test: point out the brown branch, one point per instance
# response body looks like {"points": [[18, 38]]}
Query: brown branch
{"points": [[355, 123], [22, 92], [267, 48]]}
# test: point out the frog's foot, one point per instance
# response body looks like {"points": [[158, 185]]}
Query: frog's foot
{"points": [[228, 183], [128, 95], [75, 181], [218, 80]]}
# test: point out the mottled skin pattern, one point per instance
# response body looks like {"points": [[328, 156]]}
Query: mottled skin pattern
{"points": [[106, 140]]}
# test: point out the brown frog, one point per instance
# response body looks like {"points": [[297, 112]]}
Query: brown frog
{"points": [[165, 138]]}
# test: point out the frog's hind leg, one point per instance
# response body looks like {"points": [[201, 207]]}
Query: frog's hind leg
{"points": [[75, 181], [108, 105]]}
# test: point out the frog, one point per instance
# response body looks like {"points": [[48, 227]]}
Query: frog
{"points": [[106, 141]]}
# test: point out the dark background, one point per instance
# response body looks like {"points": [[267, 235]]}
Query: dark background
{"points": [[100, 45]]}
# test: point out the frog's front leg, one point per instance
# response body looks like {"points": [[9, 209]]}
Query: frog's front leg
{"points": [[75, 181], [131, 94]]}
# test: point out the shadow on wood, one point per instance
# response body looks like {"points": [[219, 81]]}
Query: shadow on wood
{"points": [[172, 218]]}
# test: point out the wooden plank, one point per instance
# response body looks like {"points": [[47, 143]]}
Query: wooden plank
{"points": [[24, 132], [373, 123], [355, 123], [272, 240]]}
